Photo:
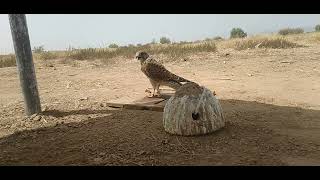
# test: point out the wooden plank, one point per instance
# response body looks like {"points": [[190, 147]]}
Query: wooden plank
{"points": [[115, 105], [141, 104], [146, 100], [163, 103], [144, 107], [145, 103], [158, 108]]}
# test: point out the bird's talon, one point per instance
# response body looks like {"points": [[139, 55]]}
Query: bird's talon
{"points": [[156, 94]]}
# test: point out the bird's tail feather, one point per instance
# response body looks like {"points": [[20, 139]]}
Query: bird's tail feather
{"points": [[173, 84]]}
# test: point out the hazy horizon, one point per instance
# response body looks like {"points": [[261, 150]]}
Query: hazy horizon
{"points": [[59, 31]]}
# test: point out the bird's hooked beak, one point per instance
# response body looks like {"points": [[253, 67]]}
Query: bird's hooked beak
{"points": [[138, 58], [141, 56]]}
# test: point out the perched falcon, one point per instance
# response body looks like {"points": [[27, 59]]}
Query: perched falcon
{"points": [[158, 74]]}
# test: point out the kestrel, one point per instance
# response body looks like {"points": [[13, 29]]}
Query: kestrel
{"points": [[158, 74]]}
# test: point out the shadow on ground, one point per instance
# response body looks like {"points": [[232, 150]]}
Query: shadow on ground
{"points": [[255, 134]]}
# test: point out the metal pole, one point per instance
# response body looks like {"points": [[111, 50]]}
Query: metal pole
{"points": [[27, 76]]}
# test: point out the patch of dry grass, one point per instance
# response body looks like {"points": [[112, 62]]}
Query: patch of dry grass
{"points": [[48, 55], [7, 61], [264, 42], [288, 31], [312, 37], [175, 50]]}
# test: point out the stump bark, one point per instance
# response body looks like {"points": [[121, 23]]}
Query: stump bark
{"points": [[193, 110]]}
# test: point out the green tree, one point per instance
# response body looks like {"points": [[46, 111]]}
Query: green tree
{"points": [[113, 45], [164, 40], [237, 33]]}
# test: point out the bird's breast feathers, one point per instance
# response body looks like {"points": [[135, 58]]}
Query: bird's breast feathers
{"points": [[154, 70]]}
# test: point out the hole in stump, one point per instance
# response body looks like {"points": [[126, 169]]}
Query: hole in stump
{"points": [[195, 116]]}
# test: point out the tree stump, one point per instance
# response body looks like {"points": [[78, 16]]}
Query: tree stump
{"points": [[193, 110]]}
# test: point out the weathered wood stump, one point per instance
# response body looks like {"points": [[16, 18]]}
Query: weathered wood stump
{"points": [[193, 110]]}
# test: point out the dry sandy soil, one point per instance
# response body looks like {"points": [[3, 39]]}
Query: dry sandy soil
{"points": [[271, 99]]}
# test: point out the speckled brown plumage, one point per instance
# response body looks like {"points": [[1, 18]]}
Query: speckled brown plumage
{"points": [[158, 74]]}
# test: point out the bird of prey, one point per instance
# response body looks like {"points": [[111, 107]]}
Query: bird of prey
{"points": [[157, 74]]}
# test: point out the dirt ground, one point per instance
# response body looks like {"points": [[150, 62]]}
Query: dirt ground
{"points": [[270, 97]]}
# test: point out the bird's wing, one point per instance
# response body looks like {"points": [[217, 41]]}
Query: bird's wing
{"points": [[157, 71]]}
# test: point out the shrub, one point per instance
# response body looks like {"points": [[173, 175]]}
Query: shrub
{"points": [[317, 28], [164, 40], [237, 33], [38, 49], [217, 38], [113, 46], [288, 31], [273, 43], [184, 42]]}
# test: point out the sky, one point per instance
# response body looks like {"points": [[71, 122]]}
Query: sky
{"points": [[59, 31]]}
